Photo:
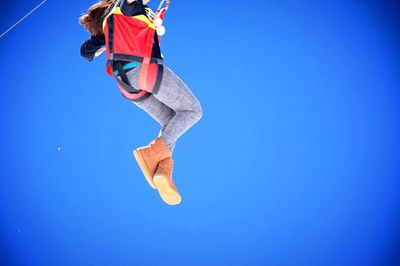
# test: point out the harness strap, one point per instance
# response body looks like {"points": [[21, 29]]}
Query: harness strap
{"points": [[134, 58], [121, 72], [123, 80], [146, 61]]}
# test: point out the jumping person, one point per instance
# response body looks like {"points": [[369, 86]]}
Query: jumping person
{"points": [[129, 31]]}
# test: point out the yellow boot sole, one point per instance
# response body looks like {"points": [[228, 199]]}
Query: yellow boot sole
{"points": [[143, 167], [167, 193]]}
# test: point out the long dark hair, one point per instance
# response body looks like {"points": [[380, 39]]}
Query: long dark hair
{"points": [[93, 19]]}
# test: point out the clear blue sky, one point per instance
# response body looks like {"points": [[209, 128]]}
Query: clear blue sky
{"points": [[294, 162]]}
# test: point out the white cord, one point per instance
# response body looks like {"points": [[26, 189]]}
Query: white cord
{"points": [[24, 17]]}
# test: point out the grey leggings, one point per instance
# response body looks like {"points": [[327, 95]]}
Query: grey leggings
{"points": [[173, 106]]}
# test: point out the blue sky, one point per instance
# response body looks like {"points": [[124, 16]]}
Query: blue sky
{"points": [[294, 162]]}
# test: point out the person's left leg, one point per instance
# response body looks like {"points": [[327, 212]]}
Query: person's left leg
{"points": [[148, 157], [159, 112], [175, 94], [154, 107], [172, 104]]}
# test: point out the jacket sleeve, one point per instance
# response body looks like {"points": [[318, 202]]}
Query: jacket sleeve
{"points": [[89, 47]]}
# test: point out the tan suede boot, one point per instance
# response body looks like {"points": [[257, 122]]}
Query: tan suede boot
{"points": [[163, 181], [149, 156]]}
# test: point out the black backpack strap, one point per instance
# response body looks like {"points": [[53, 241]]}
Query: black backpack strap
{"points": [[123, 79], [121, 71]]}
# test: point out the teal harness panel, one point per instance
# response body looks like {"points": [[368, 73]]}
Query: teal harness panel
{"points": [[128, 66]]}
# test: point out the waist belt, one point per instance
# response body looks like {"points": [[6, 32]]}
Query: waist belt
{"points": [[115, 60]]}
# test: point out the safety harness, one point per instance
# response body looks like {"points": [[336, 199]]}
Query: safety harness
{"points": [[131, 38]]}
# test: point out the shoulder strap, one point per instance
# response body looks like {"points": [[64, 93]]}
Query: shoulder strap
{"points": [[108, 10]]}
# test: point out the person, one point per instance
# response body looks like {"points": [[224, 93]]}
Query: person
{"points": [[170, 102]]}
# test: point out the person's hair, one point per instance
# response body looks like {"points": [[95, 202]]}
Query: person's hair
{"points": [[93, 19]]}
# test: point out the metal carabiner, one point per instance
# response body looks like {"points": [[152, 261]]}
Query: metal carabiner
{"points": [[168, 3]]}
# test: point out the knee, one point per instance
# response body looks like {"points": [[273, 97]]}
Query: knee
{"points": [[197, 111]]}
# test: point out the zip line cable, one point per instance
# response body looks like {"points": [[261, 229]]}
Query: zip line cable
{"points": [[24, 17]]}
